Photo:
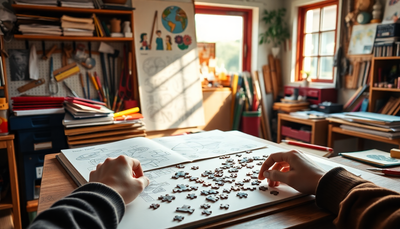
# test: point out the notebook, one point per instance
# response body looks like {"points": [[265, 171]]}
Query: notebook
{"points": [[375, 157]]}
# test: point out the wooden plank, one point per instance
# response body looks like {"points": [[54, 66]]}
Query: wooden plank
{"points": [[267, 79], [105, 139], [93, 129], [279, 73], [104, 134], [274, 79]]}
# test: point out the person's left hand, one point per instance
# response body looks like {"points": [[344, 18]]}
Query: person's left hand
{"points": [[124, 174]]}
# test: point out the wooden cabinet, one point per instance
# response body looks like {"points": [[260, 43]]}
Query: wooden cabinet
{"points": [[287, 127], [315, 95], [380, 93]]}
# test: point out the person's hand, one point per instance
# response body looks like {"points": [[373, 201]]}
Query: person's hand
{"points": [[123, 174], [292, 168]]}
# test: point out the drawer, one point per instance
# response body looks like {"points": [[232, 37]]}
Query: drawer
{"points": [[312, 93], [48, 140], [35, 121], [296, 134]]}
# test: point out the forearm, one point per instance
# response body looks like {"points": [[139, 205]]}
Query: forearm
{"points": [[357, 202], [93, 205]]}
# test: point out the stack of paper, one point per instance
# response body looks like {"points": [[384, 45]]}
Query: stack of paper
{"points": [[37, 29], [37, 2], [27, 105], [85, 112], [78, 4], [73, 26]]}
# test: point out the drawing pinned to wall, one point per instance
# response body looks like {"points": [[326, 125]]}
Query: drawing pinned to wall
{"points": [[168, 43], [19, 62], [174, 19], [183, 42], [143, 42], [168, 72], [392, 11], [159, 41]]}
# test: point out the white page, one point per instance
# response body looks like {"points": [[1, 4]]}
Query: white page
{"points": [[150, 154], [208, 144]]}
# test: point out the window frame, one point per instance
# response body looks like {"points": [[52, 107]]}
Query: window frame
{"points": [[301, 34], [247, 15]]}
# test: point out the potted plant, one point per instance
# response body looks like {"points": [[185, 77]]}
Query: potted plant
{"points": [[278, 30], [306, 75]]}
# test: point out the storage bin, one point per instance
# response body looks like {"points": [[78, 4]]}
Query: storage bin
{"points": [[33, 169]]}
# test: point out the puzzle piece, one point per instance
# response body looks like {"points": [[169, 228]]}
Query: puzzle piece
{"points": [[226, 206], [239, 166], [154, 206], [238, 155], [226, 190], [274, 192], [191, 196], [166, 198], [194, 178], [228, 180], [235, 188], [223, 196], [211, 191], [245, 160], [188, 176], [249, 188], [181, 188], [224, 156], [212, 198], [178, 218], [194, 188], [212, 176], [206, 212], [180, 166], [242, 194], [185, 208], [218, 174], [214, 186], [249, 166], [254, 176], [258, 158], [199, 181], [205, 184], [256, 171], [205, 206], [265, 156], [246, 180], [218, 170], [217, 179], [249, 173], [260, 163], [233, 170], [195, 167], [180, 174], [233, 175], [231, 160], [204, 192], [220, 183], [249, 151], [263, 188], [239, 183], [256, 182]]}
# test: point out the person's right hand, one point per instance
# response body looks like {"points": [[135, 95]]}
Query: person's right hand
{"points": [[123, 174], [292, 168]]}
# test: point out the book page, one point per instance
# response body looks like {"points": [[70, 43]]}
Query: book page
{"points": [[208, 144], [150, 154]]}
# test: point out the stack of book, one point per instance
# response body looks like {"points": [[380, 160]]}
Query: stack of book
{"points": [[38, 25], [37, 2], [381, 125], [386, 47], [27, 105], [89, 121], [73, 26], [78, 3], [392, 106]]}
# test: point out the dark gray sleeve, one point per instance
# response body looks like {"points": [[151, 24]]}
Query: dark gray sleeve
{"points": [[93, 205]]}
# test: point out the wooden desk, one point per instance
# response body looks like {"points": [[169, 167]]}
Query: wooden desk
{"points": [[301, 212], [319, 128], [337, 133]]}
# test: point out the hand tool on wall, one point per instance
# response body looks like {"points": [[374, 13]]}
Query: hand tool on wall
{"points": [[30, 85], [89, 62], [100, 87], [88, 85], [105, 81], [93, 79], [70, 90], [50, 52], [83, 85], [53, 86]]}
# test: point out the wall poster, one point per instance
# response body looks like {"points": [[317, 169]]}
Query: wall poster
{"points": [[168, 64]]}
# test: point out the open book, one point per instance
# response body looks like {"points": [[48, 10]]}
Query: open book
{"points": [[155, 153]]}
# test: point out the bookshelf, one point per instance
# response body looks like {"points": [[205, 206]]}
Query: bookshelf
{"points": [[381, 93], [53, 11]]}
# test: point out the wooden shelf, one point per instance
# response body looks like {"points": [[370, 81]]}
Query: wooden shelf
{"points": [[387, 58], [40, 9], [365, 136], [61, 38], [386, 89]]}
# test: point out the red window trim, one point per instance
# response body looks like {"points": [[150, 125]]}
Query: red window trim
{"points": [[247, 15], [300, 37]]}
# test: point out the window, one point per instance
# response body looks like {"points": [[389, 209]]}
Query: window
{"points": [[316, 46], [230, 30]]}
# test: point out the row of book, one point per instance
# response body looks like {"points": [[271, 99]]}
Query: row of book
{"points": [[392, 106], [360, 73], [73, 26], [384, 47], [359, 100], [88, 4]]}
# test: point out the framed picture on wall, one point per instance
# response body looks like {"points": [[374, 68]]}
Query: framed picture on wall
{"points": [[206, 52], [392, 11]]}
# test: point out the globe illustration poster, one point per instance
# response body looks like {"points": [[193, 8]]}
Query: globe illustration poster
{"points": [[174, 19]]}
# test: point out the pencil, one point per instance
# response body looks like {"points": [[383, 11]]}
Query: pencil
{"points": [[96, 86]]}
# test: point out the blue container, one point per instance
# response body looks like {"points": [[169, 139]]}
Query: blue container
{"points": [[33, 169], [35, 121]]}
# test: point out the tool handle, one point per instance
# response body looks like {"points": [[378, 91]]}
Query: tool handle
{"points": [[48, 54]]}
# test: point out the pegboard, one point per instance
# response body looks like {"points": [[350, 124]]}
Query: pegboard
{"points": [[73, 81]]}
